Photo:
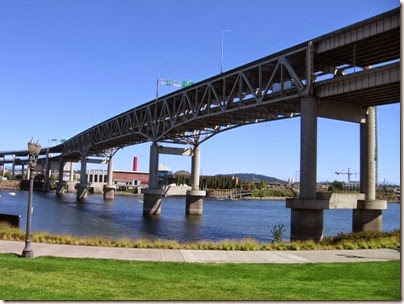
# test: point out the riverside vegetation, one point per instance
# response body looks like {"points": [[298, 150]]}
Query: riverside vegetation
{"points": [[359, 240]]}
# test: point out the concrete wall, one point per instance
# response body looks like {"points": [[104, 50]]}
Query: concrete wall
{"points": [[170, 190]]}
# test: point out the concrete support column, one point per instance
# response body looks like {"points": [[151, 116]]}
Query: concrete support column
{"points": [[82, 187], [153, 166], [60, 188], [307, 223], [13, 168], [195, 167], [23, 172], [71, 183], [368, 215], [4, 167], [308, 148], [152, 196], [109, 188], [194, 198], [45, 186], [370, 190], [363, 158], [71, 174]]}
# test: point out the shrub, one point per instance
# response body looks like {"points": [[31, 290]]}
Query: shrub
{"points": [[277, 232]]}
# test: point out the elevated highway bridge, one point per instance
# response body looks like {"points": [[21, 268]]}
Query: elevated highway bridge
{"points": [[341, 75]]}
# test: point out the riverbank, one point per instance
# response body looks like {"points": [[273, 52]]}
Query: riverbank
{"points": [[10, 185], [359, 240], [265, 198]]}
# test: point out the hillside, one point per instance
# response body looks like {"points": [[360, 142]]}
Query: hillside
{"points": [[252, 177]]}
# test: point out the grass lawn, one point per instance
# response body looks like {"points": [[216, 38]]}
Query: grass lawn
{"points": [[48, 278]]}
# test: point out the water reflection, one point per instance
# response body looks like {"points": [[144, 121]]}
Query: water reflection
{"points": [[151, 225]]}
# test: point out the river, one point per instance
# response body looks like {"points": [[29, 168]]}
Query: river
{"points": [[123, 218]]}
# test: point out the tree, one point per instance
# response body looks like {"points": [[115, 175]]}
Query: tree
{"points": [[336, 185], [39, 178]]}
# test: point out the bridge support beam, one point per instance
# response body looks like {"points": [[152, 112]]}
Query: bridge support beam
{"points": [[307, 222], [109, 188], [13, 168], [61, 186], [194, 197], [45, 186], [3, 171], [152, 196], [71, 184], [368, 214], [82, 187]]}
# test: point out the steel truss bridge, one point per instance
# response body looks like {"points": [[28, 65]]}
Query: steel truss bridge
{"points": [[352, 68]]}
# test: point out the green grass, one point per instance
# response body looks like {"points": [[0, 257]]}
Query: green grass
{"points": [[47, 278]]}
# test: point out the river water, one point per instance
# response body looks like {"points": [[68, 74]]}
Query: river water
{"points": [[123, 218]]}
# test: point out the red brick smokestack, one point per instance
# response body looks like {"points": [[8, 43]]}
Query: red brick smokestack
{"points": [[135, 163]]}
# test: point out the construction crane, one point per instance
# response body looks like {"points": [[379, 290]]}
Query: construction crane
{"points": [[349, 173]]}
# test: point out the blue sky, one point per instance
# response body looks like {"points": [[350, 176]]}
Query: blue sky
{"points": [[66, 65]]}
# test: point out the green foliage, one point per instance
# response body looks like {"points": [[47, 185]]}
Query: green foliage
{"points": [[386, 194], [274, 193], [364, 236], [182, 180], [7, 175], [277, 232], [336, 185], [39, 178], [219, 182]]}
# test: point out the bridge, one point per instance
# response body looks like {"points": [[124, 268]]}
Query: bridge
{"points": [[342, 75]]}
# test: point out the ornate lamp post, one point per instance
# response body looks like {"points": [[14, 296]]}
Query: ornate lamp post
{"points": [[33, 149]]}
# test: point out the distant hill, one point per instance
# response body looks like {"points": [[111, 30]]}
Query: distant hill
{"points": [[252, 177]]}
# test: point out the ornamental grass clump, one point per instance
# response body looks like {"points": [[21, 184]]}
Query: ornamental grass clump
{"points": [[277, 233]]}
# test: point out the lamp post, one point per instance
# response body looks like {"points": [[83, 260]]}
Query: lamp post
{"points": [[33, 149], [221, 66]]}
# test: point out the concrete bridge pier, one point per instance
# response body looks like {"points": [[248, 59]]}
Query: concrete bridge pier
{"points": [[306, 213], [368, 214], [13, 168], [71, 184], [3, 170], [23, 172], [109, 188], [194, 197], [61, 186], [45, 185], [82, 187], [152, 195]]}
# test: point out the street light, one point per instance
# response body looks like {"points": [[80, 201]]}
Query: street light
{"points": [[221, 66], [33, 150]]}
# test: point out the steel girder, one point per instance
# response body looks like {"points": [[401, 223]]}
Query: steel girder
{"points": [[205, 109]]}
